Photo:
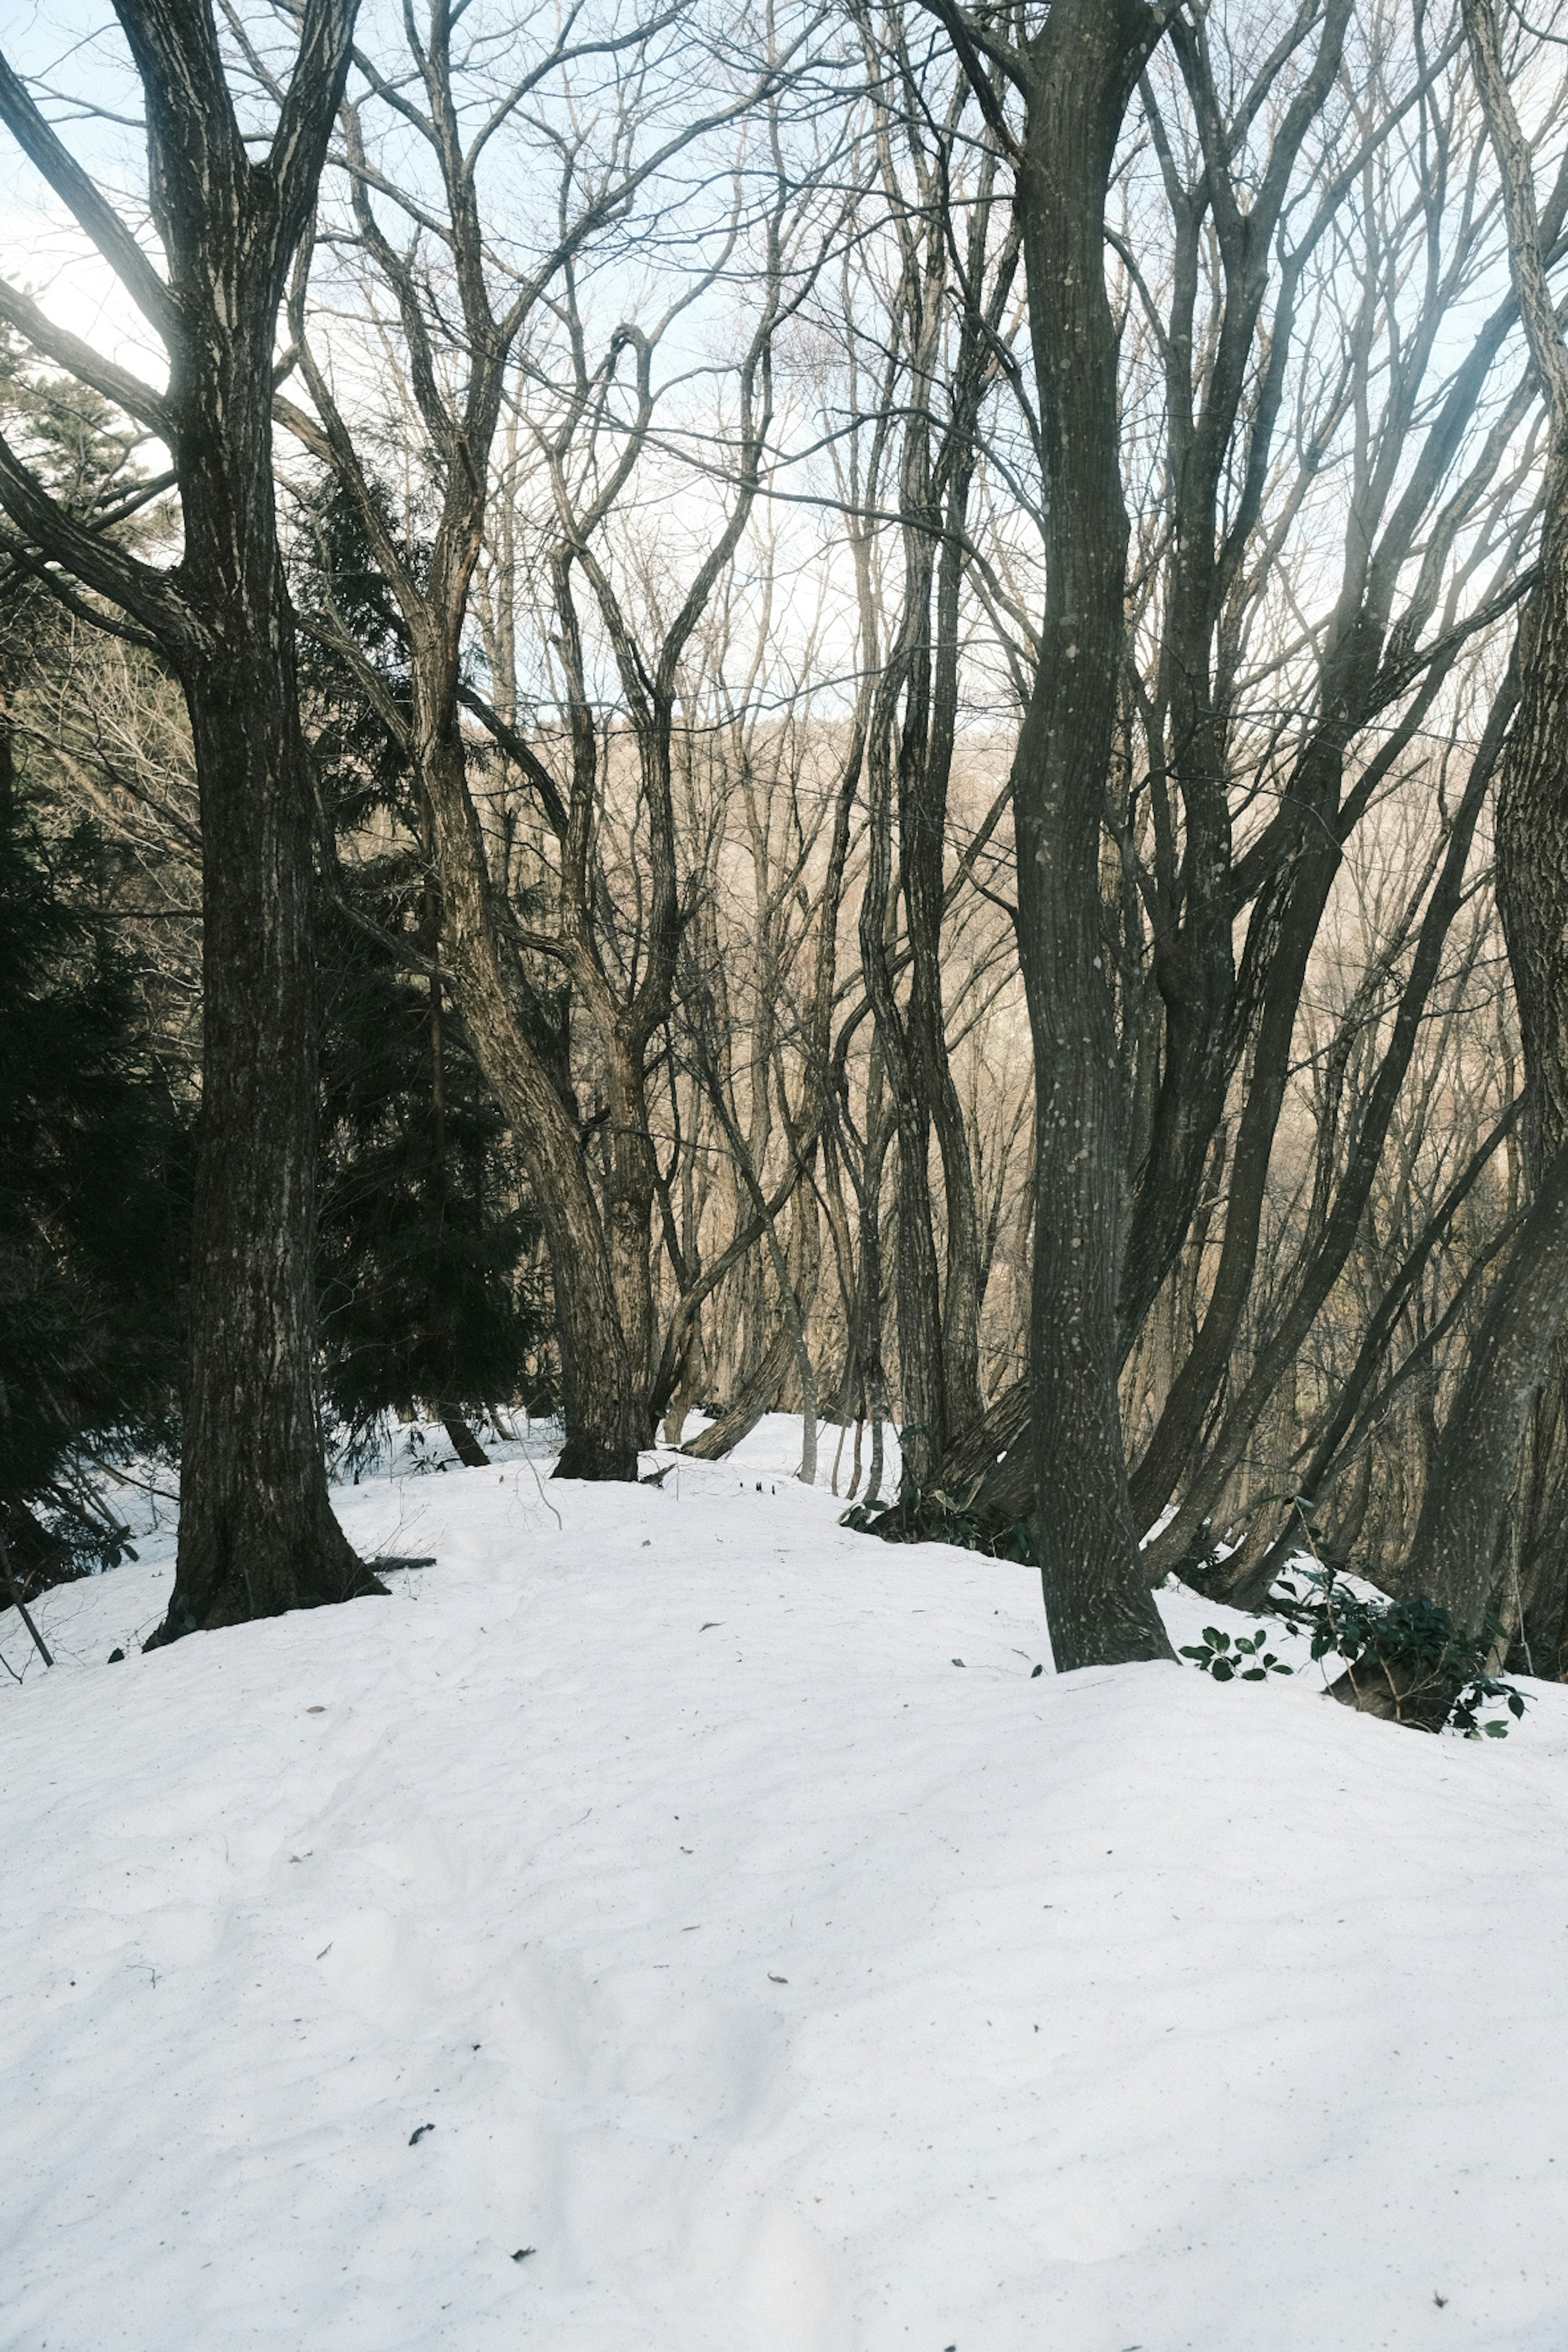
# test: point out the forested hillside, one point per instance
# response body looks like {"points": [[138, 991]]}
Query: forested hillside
{"points": [[783, 1175], [849, 710]]}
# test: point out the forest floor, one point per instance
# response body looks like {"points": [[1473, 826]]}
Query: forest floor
{"points": [[693, 1927]]}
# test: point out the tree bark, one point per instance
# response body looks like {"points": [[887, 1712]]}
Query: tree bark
{"points": [[464, 1444], [1081, 72], [742, 1413], [601, 1434], [257, 1531], [922, 1382], [257, 1535], [1477, 1459]]}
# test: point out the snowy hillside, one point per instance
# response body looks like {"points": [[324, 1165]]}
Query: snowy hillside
{"points": [[691, 1927]]}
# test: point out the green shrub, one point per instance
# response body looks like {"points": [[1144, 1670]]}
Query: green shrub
{"points": [[1218, 1656], [1409, 1653]]}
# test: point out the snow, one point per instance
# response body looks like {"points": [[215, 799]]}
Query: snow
{"points": [[783, 1984]]}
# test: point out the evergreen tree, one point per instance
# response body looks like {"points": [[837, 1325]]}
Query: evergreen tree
{"points": [[95, 1150], [94, 1187], [424, 1293]]}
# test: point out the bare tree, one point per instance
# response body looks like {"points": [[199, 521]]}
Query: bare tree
{"points": [[458, 370], [1074, 78], [1456, 1542], [257, 1531]]}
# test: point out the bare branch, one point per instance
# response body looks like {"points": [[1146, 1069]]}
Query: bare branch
{"points": [[88, 204]]}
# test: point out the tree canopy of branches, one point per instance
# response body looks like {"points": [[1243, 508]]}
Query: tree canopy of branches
{"points": [[962, 599]]}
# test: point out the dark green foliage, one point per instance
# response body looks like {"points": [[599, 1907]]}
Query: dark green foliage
{"points": [[423, 1296], [94, 1194], [1243, 1660], [1406, 1654], [95, 1150], [87, 453]]}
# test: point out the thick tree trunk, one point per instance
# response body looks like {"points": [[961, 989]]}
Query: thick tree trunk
{"points": [[1097, 1602], [1539, 1569], [1478, 1456], [464, 1444], [257, 1535], [991, 1469], [745, 1410], [256, 1531]]}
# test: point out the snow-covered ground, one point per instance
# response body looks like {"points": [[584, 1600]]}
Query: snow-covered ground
{"points": [[778, 1964]]}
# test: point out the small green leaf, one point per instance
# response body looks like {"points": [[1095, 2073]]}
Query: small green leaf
{"points": [[1255, 1674], [1497, 1731], [1222, 1670]]}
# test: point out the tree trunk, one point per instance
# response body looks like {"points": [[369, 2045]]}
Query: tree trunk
{"points": [[922, 1387], [631, 1184], [257, 1535], [1097, 1602], [755, 1398], [257, 1531], [1325, 1261], [603, 1434], [1477, 1458], [464, 1444]]}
